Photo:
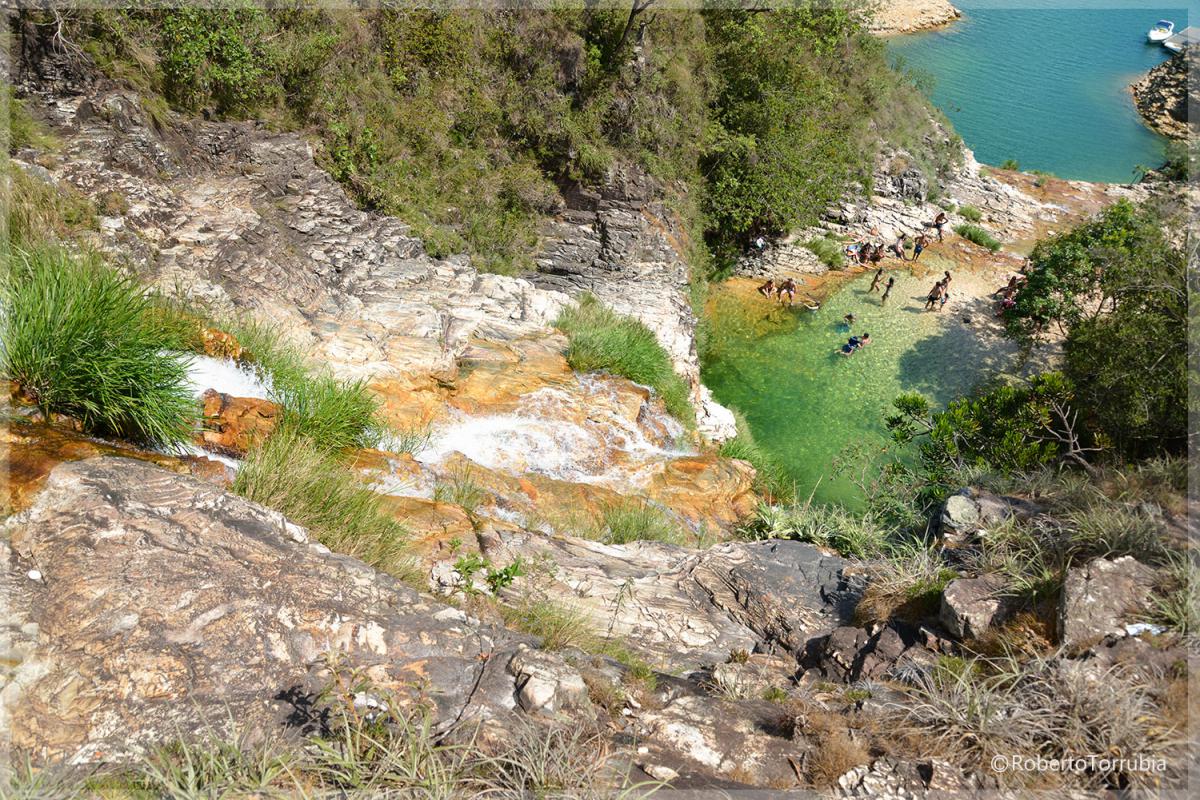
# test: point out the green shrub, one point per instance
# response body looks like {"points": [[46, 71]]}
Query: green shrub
{"points": [[1011, 163], [291, 474], [828, 251], [771, 478], [976, 234], [38, 211], [633, 520], [603, 341], [80, 340], [23, 130], [337, 415], [970, 213]]}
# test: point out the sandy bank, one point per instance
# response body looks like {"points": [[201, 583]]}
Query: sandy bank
{"points": [[905, 16]]}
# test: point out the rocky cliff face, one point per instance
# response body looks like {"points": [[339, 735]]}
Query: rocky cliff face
{"points": [[1164, 99]]}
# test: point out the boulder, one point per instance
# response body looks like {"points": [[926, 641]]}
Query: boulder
{"points": [[970, 606], [787, 592], [545, 683], [970, 511], [164, 604], [751, 742], [1099, 597], [232, 425], [893, 778], [849, 654]]}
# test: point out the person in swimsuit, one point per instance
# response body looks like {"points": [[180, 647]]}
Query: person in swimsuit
{"points": [[876, 253], [897, 246], [935, 294], [856, 343], [945, 297], [848, 320], [788, 288], [946, 279], [768, 288], [875, 281], [939, 222], [887, 290], [918, 246]]}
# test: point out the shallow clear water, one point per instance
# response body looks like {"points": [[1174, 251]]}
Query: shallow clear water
{"points": [[1047, 85], [805, 403]]}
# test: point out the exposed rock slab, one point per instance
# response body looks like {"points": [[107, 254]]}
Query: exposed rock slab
{"points": [[890, 17], [1162, 96], [165, 602], [970, 606]]}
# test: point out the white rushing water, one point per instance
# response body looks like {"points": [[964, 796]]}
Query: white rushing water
{"points": [[578, 436], [225, 376]]}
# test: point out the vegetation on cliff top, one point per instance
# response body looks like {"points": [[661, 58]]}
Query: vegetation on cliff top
{"points": [[462, 122]]}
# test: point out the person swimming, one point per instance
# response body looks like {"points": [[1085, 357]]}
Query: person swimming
{"points": [[855, 343], [887, 290], [849, 321]]}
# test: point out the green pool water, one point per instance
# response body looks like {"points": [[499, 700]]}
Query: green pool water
{"points": [[805, 403]]}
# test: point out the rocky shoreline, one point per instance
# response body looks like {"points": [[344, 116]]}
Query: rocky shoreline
{"points": [[1163, 98], [893, 17]]}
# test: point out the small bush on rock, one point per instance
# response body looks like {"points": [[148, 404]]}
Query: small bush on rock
{"points": [[604, 341], [976, 234], [79, 339]]}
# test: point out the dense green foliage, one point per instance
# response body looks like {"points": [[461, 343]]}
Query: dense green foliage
{"points": [[970, 213], [81, 339], [603, 341], [978, 235], [1117, 287], [1009, 428], [462, 121]]}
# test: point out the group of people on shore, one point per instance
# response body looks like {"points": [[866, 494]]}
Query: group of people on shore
{"points": [[866, 252], [785, 291]]}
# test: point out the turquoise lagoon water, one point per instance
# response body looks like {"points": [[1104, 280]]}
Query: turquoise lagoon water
{"points": [[1041, 83], [810, 406], [1045, 83]]}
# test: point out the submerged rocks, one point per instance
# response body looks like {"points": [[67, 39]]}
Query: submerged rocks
{"points": [[1099, 597]]}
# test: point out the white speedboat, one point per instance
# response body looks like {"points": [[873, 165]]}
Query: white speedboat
{"points": [[1162, 31]]}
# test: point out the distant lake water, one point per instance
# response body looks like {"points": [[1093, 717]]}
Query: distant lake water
{"points": [[1046, 84]]}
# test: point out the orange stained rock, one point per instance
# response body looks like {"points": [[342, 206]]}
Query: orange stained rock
{"points": [[232, 425], [30, 450]]}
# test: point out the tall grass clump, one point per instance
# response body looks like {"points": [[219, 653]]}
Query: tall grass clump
{"points": [[336, 415], [771, 478], [79, 340], [834, 527], [633, 520], [604, 341], [970, 213], [828, 251], [976, 234], [305, 482]]}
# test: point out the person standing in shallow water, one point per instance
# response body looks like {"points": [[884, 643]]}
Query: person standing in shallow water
{"points": [[887, 290], [876, 279]]}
